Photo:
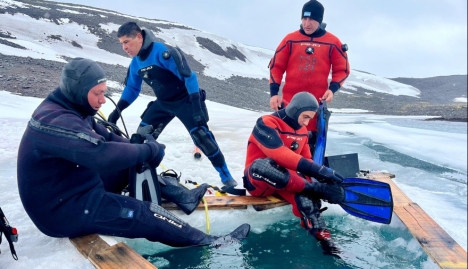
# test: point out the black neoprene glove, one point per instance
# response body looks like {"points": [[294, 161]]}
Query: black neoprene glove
{"points": [[332, 193], [115, 115], [198, 114], [319, 172], [157, 150], [144, 130]]}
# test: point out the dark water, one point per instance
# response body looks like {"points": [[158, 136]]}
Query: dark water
{"points": [[286, 245]]}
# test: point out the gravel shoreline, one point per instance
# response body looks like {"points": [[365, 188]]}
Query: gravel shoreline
{"points": [[37, 78]]}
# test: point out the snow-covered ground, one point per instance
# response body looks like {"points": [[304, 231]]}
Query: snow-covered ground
{"points": [[39, 45], [443, 198]]}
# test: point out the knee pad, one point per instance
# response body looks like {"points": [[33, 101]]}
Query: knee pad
{"points": [[267, 170], [204, 140]]}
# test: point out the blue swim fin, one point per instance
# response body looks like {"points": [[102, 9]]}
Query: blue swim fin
{"points": [[364, 198], [323, 116], [368, 199]]}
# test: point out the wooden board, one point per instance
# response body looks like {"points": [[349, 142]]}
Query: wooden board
{"points": [[235, 202], [104, 256], [437, 243]]}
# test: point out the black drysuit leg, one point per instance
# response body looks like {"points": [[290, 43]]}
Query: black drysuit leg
{"points": [[159, 112], [115, 182], [123, 216], [202, 137]]}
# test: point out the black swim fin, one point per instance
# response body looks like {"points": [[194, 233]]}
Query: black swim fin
{"points": [[368, 199], [235, 236]]}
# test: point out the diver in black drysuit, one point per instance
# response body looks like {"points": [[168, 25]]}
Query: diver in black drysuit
{"points": [[69, 166]]}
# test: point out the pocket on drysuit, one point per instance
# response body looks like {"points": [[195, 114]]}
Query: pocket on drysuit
{"points": [[115, 211]]}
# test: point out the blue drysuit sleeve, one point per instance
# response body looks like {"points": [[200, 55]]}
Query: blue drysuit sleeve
{"points": [[133, 83], [191, 83]]}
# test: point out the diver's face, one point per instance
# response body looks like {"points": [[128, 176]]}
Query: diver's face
{"points": [[96, 96], [305, 117], [309, 25], [131, 45]]}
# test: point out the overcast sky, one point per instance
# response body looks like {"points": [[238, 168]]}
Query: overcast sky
{"points": [[397, 38]]}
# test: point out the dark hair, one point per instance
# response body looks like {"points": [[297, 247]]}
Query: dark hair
{"points": [[130, 29]]}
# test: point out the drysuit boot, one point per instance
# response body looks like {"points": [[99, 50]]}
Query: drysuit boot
{"points": [[313, 222], [185, 199], [323, 236], [238, 234], [315, 225]]}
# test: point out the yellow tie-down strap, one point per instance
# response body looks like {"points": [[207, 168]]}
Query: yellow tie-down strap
{"points": [[273, 199]]}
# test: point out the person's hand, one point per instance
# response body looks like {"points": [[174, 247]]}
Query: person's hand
{"points": [[334, 194], [114, 117], [275, 102], [324, 174], [328, 96], [157, 147], [329, 175], [144, 130], [158, 131]]}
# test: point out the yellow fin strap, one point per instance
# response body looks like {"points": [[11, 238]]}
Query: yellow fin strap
{"points": [[207, 216], [273, 199]]}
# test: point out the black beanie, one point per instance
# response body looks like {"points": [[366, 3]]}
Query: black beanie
{"points": [[314, 10], [78, 77], [301, 102]]}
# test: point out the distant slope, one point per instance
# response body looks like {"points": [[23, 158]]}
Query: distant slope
{"points": [[38, 37], [443, 89]]}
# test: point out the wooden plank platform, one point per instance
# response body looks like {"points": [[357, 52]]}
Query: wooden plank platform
{"points": [[104, 256], [437, 243], [235, 202]]}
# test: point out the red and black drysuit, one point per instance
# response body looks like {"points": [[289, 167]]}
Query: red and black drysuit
{"points": [[307, 61], [278, 161]]}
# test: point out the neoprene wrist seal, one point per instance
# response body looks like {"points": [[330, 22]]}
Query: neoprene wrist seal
{"points": [[122, 104], [274, 89], [309, 168]]}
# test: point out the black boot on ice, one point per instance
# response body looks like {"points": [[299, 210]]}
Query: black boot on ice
{"points": [[185, 199]]}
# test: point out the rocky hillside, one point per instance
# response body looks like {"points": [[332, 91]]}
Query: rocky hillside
{"points": [[31, 76]]}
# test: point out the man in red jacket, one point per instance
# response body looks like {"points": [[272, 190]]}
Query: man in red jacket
{"points": [[279, 161], [307, 56]]}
